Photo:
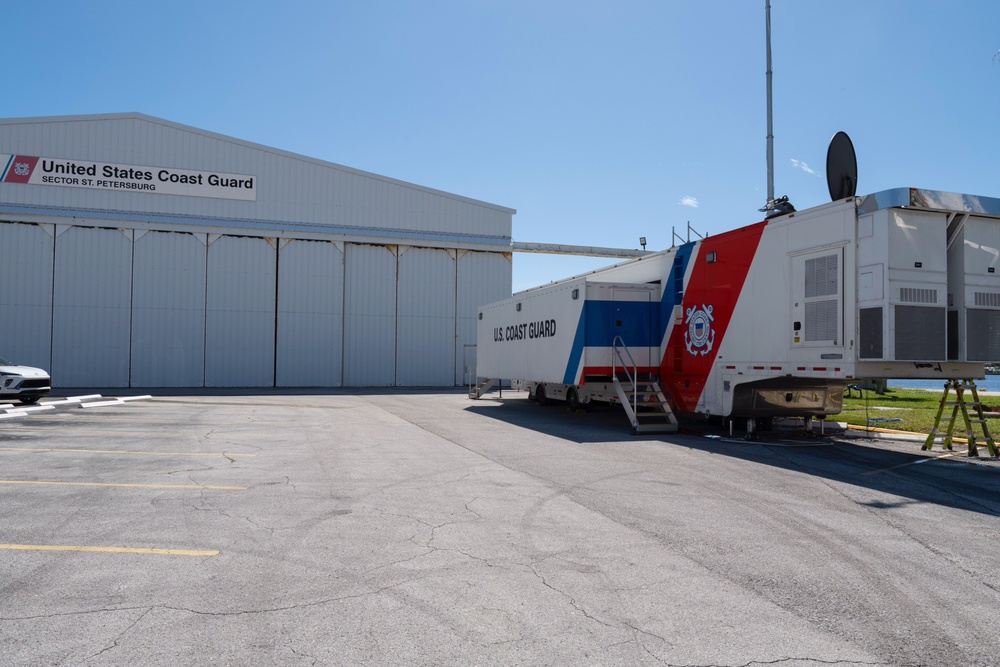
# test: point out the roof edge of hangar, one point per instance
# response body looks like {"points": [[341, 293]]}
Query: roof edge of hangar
{"points": [[135, 115]]}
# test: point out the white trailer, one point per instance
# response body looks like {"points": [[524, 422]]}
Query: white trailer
{"points": [[773, 319]]}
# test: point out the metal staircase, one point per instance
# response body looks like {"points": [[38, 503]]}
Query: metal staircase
{"points": [[961, 404], [484, 385], [643, 399]]}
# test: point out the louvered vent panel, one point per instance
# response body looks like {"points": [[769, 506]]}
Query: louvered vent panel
{"points": [[988, 299], [821, 320], [821, 276], [917, 295]]}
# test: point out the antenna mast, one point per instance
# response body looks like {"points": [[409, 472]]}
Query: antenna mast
{"points": [[770, 124], [773, 207]]}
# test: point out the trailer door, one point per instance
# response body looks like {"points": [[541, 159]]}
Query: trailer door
{"points": [[818, 298], [634, 321]]}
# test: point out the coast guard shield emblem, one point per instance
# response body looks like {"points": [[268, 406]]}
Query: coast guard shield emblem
{"points": [[699, 336], [22, 168]]}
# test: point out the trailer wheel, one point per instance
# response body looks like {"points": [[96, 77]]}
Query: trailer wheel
{"points": [[573, 400], [540, 396]]}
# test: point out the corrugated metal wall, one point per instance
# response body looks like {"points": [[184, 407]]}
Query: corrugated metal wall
{"points": [[483, 277], [168, 310], [26, 293], [310, 349], [425, 317], [289, 186], [114, 287], [177, 309], [240, 311], [92, 304], [369, 315]]}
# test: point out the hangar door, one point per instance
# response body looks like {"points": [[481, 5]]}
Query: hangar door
{"points": [[310, 345], [168, 310], [240, 312], [483, 277], [26, 293], [92, 306], [425, 326], [369, 315]]}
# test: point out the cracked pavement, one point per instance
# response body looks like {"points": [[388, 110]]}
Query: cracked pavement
{"points": [[421, 528]]}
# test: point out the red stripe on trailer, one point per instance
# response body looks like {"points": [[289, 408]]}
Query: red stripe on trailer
{"points": [[721, 265]]}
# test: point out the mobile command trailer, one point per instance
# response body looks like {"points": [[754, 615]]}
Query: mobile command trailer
{"points": [[769, 320]]}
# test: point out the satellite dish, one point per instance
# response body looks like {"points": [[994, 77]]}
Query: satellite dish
{"points": [[841, 167]]}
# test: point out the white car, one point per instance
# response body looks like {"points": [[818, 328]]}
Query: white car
{"points": [[23, 383]]}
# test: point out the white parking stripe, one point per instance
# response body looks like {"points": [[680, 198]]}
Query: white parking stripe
{"points": [[101, 404], [73, 399]]}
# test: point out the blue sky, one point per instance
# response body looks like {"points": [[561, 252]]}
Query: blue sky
{"points": [[600, 122]]}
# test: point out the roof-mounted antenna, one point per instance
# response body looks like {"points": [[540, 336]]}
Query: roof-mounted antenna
{"points": [[780, 206]]}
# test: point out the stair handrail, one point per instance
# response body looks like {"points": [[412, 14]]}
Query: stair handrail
{"points": [[633, 376]]}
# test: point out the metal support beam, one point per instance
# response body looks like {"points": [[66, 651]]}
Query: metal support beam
{"points": [[586, 251]]}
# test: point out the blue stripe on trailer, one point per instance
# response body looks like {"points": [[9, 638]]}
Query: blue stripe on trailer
{"points": [[638, 326], [576, 352], [599, 324], [673, 288]]}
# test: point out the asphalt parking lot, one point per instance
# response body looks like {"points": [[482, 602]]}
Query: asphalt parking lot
{"points": [[422, 528]]}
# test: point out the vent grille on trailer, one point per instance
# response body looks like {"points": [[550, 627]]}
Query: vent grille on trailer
{"points": [[920, 333], [870, 328], [822, 279], [821, 276], [988, 299], [982, 337], [917, 295], [821, 320]]}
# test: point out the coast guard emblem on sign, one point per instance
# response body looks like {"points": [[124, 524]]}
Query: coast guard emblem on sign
{"points": [[21, 168], [699, 337]]}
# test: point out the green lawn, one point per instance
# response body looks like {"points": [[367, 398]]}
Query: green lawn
{"points": [[914, 408]]}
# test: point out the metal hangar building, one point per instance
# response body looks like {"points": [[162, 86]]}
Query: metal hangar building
{"points": [[137, 252]]}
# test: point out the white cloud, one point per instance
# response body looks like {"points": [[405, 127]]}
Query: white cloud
{"points": [[690, 202], [803, 166]]}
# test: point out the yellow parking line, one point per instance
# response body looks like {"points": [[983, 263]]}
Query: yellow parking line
{"points": [[114, 451], [112, 550], [144, 486]]}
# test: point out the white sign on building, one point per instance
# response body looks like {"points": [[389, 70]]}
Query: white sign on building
{"points": [[34, 170]]}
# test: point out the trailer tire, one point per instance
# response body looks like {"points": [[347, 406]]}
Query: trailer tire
{"points": [[573, 400], [540, 396]]}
